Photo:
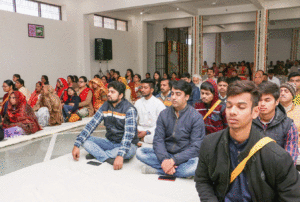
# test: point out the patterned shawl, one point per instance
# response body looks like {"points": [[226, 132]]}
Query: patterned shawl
{"points": [[21, 115], [34, 96], [61, 91]]}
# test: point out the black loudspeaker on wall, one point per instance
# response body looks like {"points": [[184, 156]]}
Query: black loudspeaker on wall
{"points": [[103, 49]]}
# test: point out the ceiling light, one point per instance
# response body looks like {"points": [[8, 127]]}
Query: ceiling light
{"points": [[214, 3], [141, 13], [178, 9]]}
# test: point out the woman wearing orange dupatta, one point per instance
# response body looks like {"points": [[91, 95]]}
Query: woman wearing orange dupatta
{"points": [[19, 116], [61, 89], [8, 87], [36, 94], [128, 90], [99, 93]]}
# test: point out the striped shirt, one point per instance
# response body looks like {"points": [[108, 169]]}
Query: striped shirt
{"points": [[129, 131]]}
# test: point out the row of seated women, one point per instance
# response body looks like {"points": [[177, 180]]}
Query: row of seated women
{"points": [[49, 107]]}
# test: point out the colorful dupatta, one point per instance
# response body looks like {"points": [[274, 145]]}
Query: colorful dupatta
{"points": [[5, 99], [84, 94], [21, 115], [34, 97], [61, 92], [100, 95], [123, 80]]}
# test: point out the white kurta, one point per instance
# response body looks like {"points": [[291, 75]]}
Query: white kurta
{"points": [[148, 112]]}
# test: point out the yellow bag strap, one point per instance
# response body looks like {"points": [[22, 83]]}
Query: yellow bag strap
{"points": [[212, 109], [260, 144]]}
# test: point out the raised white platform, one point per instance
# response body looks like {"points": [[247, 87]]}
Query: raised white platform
{"points": [[64, 180], [50, 130]]}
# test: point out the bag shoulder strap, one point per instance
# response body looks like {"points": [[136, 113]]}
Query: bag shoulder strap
{"points": [[260, 144], [212, 109]]}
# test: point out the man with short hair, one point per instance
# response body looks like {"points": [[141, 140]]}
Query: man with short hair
{"points": [[273, 120], [269, 175], [265, 77], [178, 137], [272, 78], [287, 94], [148, 75], [295, 78], [222, 88], [120, 120], [148, 108], [197, 80], [165, 92], [195, 96], [112, 74], [258, 77], [211, 74], [234, 76]]}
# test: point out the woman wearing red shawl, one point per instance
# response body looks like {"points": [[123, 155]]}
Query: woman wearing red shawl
{"points": [[8, 87], [36, 94], [20, 118], [86, 95], [135, 87], [61, 89], [99, 93]]}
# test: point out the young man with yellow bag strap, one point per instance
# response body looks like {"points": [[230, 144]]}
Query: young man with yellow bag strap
{"points": [[240, 163]]}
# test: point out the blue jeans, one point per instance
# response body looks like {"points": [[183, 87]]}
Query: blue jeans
{"points": [[66, 109], [102, 148], [147, 156]]}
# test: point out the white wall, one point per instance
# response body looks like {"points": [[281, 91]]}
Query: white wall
{"points": [[155, 34], [209, 48], [55, 55], [124, 49], [237, 46], [279, 45]]}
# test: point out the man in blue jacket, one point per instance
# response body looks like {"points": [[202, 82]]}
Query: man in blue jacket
{"points": [[178, 136]]}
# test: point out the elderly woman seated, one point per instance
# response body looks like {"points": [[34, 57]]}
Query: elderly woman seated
{"points": [[48, 108], [20, 118], [36, 94]]}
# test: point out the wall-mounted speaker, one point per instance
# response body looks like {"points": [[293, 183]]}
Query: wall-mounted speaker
{"points": [[103, 49]]}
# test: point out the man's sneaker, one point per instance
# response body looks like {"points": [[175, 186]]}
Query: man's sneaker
{"points": [[148, 170], [89, 156]]}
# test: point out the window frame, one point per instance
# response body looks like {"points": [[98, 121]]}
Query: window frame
{"points": [[115, 21], [39, 8]]}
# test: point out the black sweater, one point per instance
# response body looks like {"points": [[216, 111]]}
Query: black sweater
{"points": [[75, 100]]}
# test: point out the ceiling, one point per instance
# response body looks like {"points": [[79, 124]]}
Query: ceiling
{"points": [[216, 3]]}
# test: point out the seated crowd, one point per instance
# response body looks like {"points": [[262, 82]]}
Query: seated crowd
{"points": [[199, 126]]}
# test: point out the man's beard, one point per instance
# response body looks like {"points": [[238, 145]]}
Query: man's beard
{"points": [[146, 95], [112, 101]]}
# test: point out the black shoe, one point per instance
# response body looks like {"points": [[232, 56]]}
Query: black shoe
{"points": [[110, 161], [89, 156]]}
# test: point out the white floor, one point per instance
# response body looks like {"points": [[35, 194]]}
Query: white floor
{"points": [[64, 180]]}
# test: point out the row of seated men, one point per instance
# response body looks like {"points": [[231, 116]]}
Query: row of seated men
{"points": [[209, 140]]}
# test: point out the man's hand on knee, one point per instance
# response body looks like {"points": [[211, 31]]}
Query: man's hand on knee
{"points": [[76, 153], [118, 164]]}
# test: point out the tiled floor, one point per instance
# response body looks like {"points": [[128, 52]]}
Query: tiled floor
{"points": [[25, 154]]}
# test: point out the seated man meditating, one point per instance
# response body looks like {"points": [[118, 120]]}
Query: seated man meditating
{"points": [[178, 136], [120, 120]]}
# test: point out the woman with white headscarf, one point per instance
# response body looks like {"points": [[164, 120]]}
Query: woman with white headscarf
{"points": [[197, 80]]}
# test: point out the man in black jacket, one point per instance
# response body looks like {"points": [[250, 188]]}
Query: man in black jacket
{"points": [[269, 175]]}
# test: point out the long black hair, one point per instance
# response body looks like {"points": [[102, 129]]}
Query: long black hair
{"points": [[85, 80], [131, 73], [46, 78], [10, 83], [72, 78], [21, 81], [75, 79]]}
